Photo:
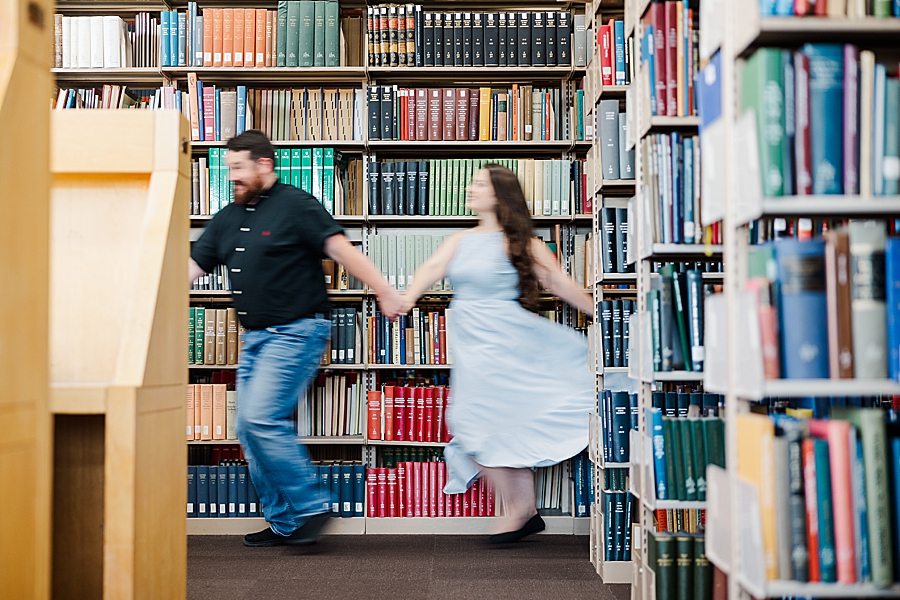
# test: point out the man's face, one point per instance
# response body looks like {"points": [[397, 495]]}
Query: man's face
{"points": [[247, 175]]}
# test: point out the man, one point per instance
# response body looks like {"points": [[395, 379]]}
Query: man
{"points": [[272, 240]]}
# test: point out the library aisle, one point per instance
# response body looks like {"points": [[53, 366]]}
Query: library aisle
{"points": [[410, 567]]}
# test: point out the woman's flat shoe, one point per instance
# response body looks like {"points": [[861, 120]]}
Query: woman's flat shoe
{"points": [[533, 525]]}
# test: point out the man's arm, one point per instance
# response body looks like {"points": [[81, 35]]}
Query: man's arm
{"points": [[341, 250], [195, 271]]}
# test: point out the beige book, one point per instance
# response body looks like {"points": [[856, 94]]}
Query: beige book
{"points": [[190, 413], [197, 411], [220, 336], [219, 411], [206, 411], [231, 337], [230, 414], [209, 337], [866, 87], [228, 117]]}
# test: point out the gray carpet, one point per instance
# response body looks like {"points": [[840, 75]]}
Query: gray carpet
{"points": [[351, 567]]}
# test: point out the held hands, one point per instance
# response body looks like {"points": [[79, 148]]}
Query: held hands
{"points": [[391, 303], [409, 303]]}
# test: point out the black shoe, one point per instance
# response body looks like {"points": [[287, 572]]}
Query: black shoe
{"points": [[532, 525], [306, 535]]}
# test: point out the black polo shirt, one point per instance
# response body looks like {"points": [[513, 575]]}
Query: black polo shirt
{"points": [[273, 252]]}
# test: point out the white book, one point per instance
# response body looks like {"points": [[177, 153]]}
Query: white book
{"points": [[328, 428], [537, 186], [83, 42], [401, 262], [96, 41], [112, 42], [417, 336], [410, 259], [67, 42]]}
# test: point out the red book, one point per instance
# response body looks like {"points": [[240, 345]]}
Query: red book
{"points": [[433, 490], [820, 8], [388, 412], [420, 414], [435, 111], [812, 509], [441, 496], [448, 114], [400, 414], [474, 107], [801, 7], [374, 403], [658, 21], [761, 290], [417, 489], [421, 114], [671, 29], [457, 505], [392, 505], [429, 414], [462, 113], [838, 434], [445, 433], [411, 125], [464, 503], [439, 392], [401, 489], [410, 414], [409, 490], [372, 491], [382, 491], [482, 498], [209, 113], [442, 338], [207, 38], [489, 500], [802, 139], [604, 43]]}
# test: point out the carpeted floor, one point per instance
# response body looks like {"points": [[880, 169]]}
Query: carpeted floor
{"points": [[345, 567]]}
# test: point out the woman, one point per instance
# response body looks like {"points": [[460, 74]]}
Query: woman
{"points": [[522, 393]]}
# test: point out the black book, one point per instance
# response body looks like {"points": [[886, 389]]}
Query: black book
{"points": [[467, 39], [576, 179], [627, 309], [491, 45], [400, 188], [374, 102], [477, 39], [606, 330], [428, 40], [335, 331], [394, 38], [422, 194], [622, 240], [671, 405], [617, 333], [387, 188], [412, 34], [512, 39], [385, 37], [374, 189], [403, 35], [501, 38], [628, 50], [564, 39], [412, 184], [342, 336], [438, 39], [550, 38], [538, 41], [387, 112], [419, 35], [608, 240], [450, 40], [524, 39], [457, 39], [350, 349]]}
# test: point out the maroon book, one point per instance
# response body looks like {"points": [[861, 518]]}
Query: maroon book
{"points": [[474, 107]]}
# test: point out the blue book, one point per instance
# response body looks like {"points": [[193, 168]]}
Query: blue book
{"points": [[861, 518], [580, 496], [621, 425], [213, 495], [192, 492], [336, 490], [346, 491], [826, 107], [892, 284], [202, 483], [801, 296], [626, 538], [619, 46], [199, 92], [647, 47], [402, 339], [608, 512], [192, 34], [608, 426], [635, 410], [766, 7], [654, 419], [827, 563], [708, 91], [222, 492], [164, 42], [242, 110], [242, 481], [324, 475], [359, 490], [253, 507], [182, 39], [784, 8], [232, 491], [218, 111], [619, 522], [173, 38], [687, 194], [178, 105]]}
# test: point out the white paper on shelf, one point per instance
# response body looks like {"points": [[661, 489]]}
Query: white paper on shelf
{"points": [[712, 24], [718, 517], [630, 235], [750, 373], [746, 175], [712, 172], [620, 382], [647, 347], [631, 115], [751, 564], [633, 325], [715, 325]]}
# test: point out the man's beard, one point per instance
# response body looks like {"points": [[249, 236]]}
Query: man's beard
{"points": [[251, 192]]}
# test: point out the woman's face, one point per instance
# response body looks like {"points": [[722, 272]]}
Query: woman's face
{"points": [[480, 195]]}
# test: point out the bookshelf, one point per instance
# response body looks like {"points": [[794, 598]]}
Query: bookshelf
{"points": [[361, 227]]}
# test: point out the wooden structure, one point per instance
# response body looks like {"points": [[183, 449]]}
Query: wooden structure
{"points": [[118, 310], [26, 46]]}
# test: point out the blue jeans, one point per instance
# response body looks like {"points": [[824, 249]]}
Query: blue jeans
{"points": [[276, 366]]}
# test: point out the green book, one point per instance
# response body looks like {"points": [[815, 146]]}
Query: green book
{"points": [[703, 573], [678, 459], [284, 158], [698, 448], [653, 301], [684, 567], [282, 32], [214, 154], [307, 34], [445, 183], [882, 8], [306, 177], [199, 329], [191, 341], [714, 434], [296, 168], [668, 446], [679, 295], [686, 433], [454, 208], [292, 36], [432, 178], [392, 261], [762, 91], [328, 180], [319, 32], [870, 425], [318, 159], [332, 34], [666, 573], [825, 508]]}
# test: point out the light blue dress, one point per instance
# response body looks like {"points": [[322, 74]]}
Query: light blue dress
{"points": [[521, 392]]}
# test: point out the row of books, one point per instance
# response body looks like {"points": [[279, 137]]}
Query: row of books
{"points": [[618, 515], [676, 300], [344, 346], [521, 112], [419, 338], [682, 449], [210, 412], [616, 479], [820, 407], [583, 474], [670, 51], [221, 492], [105, 42], [839, 293], [614, 240], [408, 414], [398, 257], [827, 493], [581, 262], [337, 277], [415, 489], [687, 404], [215, 454], [212, 336], [679, 520], [828, 125], [391, 456], [681, 567], [332, 406], [617, 161], [673, 175], [615, 318], [551, 491], [116, 96], [857, 9], [615, 60], [216, 280], [618, 416], [345, 484], [406, 36]]}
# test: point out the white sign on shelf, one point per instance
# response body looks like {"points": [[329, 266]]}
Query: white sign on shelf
{"points": [[718, 517], [647, 347], [631, 234], [633, 364], [751, 564], [715, 322], [746, 172], [750, 373], [712, 24]]}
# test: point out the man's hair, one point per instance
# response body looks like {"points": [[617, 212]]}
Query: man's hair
{"points": [[254, 141]]}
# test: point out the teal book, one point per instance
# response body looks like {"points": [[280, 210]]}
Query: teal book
{"points": [[296, 162], [890, 176], [319, 34], [306, 170], [689, 465], [307, 34], [318, 160], [678, 460], [826, 107], [332, 34], [199, 328], [191, 341], [328, 179], [670, 458], [214, 155], [827, 563], [762, 91], [282, 35], [284, 161]]}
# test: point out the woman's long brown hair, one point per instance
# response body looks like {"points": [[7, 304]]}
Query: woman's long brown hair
{"points": [[512, 213]]}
